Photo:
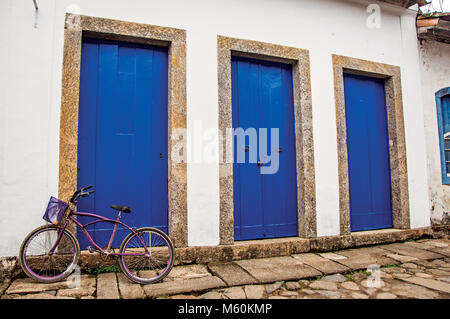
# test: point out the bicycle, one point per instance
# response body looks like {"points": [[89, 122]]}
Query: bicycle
{"points": [[51, 252]]}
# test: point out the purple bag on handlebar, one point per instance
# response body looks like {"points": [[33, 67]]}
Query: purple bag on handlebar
{"points": [[55, 210]]}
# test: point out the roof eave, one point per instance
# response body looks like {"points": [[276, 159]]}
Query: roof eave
{"points": [[401, 3], [437, 31]]}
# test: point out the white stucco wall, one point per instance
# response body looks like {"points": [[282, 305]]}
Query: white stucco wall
{"points": [[435, 75], [30, 84]]}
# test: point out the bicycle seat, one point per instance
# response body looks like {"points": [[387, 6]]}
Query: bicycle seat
{"points": [[124, 209]]}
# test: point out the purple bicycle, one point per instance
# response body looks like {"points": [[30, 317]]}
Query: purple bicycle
{"points": [[51, 252]]}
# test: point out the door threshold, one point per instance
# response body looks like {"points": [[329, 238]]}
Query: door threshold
{"points": [[376, 231]]}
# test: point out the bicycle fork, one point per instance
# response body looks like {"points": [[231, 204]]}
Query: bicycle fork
{"points": [[52, 250]]}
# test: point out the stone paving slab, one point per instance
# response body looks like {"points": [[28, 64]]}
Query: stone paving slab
{"points": [[234, 293], [107, 286], [402, 258], [408, 250], [28, 285], [445, 278], [254, 291], [361, 258], [185, 286], [334, 278], [188, 272], [324, 285], [322, 264], [180, 273], [443, 251], [441, 242], [413, 291], [273, 269], [332, 256], [41, 296], [128, 289], [76, 292], [439, 272], [232, 274], [423, 245], [441, 263], [429, 283], [213, 294], [3, 286], [436, 263]]}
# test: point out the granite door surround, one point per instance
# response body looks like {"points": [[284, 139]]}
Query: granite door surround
{"points": [[299, 59], [396, 134], [78, 26]]}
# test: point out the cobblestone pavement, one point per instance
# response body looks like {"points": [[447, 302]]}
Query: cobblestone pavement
{"points": [[412, 269]]}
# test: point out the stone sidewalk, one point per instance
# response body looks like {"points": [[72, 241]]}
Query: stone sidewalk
{"points": [[412, 269]]}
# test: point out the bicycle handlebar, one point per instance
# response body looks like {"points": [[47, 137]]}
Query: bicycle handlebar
{"points": [[81, 193], [85, 194]]}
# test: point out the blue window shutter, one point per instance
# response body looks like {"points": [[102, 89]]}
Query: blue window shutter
{"points": [[443, 116]]}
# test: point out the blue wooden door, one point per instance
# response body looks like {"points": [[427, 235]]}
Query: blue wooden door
{"points": [[368, 153], [265, 205], [122, 134]]}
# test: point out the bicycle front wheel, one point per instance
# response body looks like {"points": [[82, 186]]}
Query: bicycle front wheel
{"points": [[40, 263], [148, 255]]}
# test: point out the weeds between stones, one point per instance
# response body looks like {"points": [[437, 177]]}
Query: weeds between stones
{"points": [[102, 270]]}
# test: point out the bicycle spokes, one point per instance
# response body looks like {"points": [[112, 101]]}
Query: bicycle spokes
{"points": [[149, 256], [38, 259]]}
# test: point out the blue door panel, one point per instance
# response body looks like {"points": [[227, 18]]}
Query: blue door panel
{"points": [[158, 137], [368, 153], [106, 164], [279, 190], [86, 140], [247, 189], [265, 205], [122, 138], [379, 150]]}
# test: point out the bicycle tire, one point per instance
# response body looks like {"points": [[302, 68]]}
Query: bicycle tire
{"points": [[135, 276], [25, 264]]}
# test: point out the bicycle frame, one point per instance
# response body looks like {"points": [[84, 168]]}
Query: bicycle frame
{"points": [[88, 236]]}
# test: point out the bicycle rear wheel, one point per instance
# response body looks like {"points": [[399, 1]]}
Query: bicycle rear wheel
{"points": [[37, 261], [151, 267]]}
